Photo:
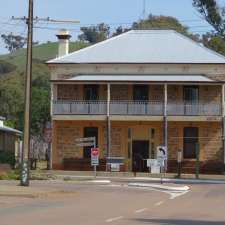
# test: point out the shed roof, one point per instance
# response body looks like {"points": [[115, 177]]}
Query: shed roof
{"points": [[145, 46], [10, 130]]}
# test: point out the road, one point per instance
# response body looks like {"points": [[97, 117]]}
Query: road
{"points": [[116, 204]]}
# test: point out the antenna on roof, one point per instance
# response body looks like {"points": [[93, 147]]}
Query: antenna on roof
{"points": [[144, 10]]}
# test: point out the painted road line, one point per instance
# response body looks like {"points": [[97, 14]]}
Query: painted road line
{"points": [[175, 195], [114, 219], [141, 210], [159, 203]]}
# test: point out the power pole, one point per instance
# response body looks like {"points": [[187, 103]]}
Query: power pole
{"points": [[25, 173]]}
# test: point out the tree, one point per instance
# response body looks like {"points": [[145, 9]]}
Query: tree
{"points": [[159, 22], [94, 34], [13, 42], [213, 14], [214, 42], [120, 30]]}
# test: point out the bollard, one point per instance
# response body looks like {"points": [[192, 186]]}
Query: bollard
{"points": [[179, 159], [197, 161]]}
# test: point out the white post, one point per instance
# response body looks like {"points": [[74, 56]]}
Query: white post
{"points": [[223, 121], [108, 122], [165, 122], [165, 116]]}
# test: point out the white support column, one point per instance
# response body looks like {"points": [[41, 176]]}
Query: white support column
{"points": [[108, 121], [165, 116], [223, 121]]}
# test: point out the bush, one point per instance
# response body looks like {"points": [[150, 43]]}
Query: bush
{"points": [[11, 175], [7, 157]]}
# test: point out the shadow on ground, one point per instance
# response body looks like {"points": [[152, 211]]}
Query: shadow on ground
{"points": [[179, 222]]}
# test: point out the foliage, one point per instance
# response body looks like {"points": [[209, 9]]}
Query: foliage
{"points": [[6, 67], [120, 30], [7, 157], [94, 34], [13, 42], [11, 175], [159, 22], [214, 42], [213, 14], [12, 86]]}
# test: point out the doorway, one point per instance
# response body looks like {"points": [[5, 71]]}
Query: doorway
{"points": [[190, 142], [140, 152], [90, 132]]}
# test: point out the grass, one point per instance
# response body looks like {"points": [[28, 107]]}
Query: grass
{"points": [[10, 175]]}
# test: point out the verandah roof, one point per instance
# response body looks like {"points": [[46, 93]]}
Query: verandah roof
{"points": [[140, 78]]}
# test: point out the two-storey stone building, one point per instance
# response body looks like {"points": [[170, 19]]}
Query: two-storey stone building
{"points": [[135, 92]]}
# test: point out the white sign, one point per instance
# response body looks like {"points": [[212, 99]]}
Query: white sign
{"points": [[94, 156], [155, 165], [115, 167], [152, 162], [162, 152], [155, 170]]}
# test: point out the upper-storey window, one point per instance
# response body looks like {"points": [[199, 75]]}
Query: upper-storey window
{"points": [[140, 93], [191, 94], [91, 92]]}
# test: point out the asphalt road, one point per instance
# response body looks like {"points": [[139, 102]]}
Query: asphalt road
{"points": [[116, 204]]}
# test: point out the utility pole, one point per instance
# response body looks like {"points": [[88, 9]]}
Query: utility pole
{"points": [[25, 171], [27, 112]]}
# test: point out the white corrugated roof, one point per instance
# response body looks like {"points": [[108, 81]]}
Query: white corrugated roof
{"points": [[141, 78], [10, 130], [144, 46]]}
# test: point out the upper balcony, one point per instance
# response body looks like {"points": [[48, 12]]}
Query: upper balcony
{"points": [[137, 100], [137, 108]]}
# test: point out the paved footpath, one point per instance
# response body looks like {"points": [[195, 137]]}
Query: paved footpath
{"points": [[115, 203]]}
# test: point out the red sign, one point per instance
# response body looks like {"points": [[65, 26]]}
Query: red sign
{"points": [[95, 151]]}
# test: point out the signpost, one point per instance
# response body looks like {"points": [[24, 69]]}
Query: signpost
{"points": [[162, 157], [95, 158], [90, 141]]}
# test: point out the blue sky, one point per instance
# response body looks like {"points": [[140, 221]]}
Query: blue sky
{"points": [[113, 12]]}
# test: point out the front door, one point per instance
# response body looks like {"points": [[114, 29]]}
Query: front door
{"points": [[190, 142], [140, 152], [90, 132]]}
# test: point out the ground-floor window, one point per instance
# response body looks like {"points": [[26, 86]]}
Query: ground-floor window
{"points": [[190, 142], [90, 132]]}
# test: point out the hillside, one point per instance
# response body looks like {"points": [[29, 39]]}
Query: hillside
{"points": [[12, 70]]}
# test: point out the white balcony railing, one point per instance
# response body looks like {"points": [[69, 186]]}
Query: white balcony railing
{"points": [[147, 108]]}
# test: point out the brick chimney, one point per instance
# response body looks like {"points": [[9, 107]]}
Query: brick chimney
{"points": [[63, 37]]}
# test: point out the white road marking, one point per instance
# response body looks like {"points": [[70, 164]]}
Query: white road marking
{"points": [[140, 210], [114, 219], [177, 194], [159, 203]]}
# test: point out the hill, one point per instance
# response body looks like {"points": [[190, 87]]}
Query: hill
{"points": [[12, 70]]}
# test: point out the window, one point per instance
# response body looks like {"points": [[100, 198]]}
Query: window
{"points": [[191, 100], [191, 94], [190, 142], [90, 132], [91, 92], [140, 93]]}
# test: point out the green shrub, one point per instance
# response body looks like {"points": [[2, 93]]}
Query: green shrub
{"points": [[11, 175], [7, 157]]}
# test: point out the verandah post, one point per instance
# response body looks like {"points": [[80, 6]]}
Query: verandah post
{"points": [[165, 132], [108, 123]]}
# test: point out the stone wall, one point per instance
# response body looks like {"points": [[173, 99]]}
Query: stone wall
{"points": [[65, 133]]}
